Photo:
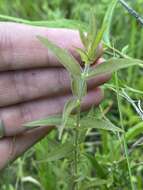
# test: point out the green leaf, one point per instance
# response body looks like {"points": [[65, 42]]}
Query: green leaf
{"points": [[100, 171], [94, 38], [68, 108], [76, 85], [60, 23], [51, 121], [83, 38], [107, 21], [113, 65], [82, 135], [59, 152], [88, 123], [125, 49], [92, 32], [96, 182], [93, 51], [68, 61], [83, 55], [31, 180], [133, 132]]}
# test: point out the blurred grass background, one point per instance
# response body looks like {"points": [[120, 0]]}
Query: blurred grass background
{"points": [[125, 31]]}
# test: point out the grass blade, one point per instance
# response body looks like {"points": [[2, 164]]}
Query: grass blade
{"points": [[107, 21], [60, 23]]}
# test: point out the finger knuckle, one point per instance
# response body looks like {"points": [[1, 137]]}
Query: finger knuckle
{"points": [[20, 85]]}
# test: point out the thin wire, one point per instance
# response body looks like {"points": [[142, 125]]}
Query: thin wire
{"points": [[139, 106], [132, 12], [136, 107]]}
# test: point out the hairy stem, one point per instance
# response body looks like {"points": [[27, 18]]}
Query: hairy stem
{"points": [[76, 139], [76, 151]]}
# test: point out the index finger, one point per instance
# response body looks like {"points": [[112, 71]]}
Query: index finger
{"points": [[20, 48]]}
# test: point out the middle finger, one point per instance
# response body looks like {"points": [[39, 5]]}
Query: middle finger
{"points": [[21, 86]]}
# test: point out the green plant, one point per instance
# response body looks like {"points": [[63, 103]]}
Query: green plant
{"points": [[101, 152], [79, 76]]}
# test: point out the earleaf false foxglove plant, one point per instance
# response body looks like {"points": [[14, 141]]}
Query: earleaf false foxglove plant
{"points": [[91, 40]]}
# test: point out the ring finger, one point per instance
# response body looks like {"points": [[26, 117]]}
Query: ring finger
{"points": [[21, 86], [13, 117]]}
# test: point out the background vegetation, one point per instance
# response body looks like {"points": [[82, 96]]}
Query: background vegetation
{"points": [[26, 173]]}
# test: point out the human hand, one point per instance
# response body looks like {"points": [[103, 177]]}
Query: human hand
{"points": [[33, 84]]}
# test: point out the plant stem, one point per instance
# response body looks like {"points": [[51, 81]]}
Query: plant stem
{"points": [[124, 138], [116, 51], [76, 152], [76, 139], [132, 12]]}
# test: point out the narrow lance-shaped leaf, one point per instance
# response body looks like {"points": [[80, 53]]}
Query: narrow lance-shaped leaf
{"points": [[100, 171], [107, 20], [59, 152], [83, 38], [69, 107], [113, 65], [31, 180], [87, 123], [83, 55], [51, 121], [95, 43], [93, 183], [68, 61], [125, 49], [132, 133], [91, 35], [59, 23]]}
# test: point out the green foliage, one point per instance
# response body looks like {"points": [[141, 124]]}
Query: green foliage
{"points": [[112, 65], [61, 23], [108, 19], [69, 107], [101, 172], [91, 41], [59, 152], [52, 120], [68, 61], [106, 150], [87, 123]]}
